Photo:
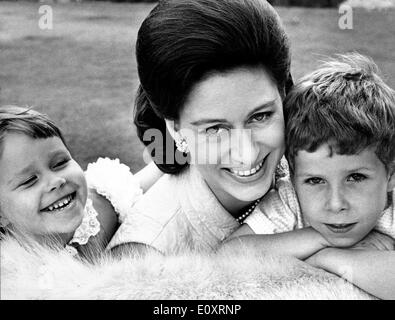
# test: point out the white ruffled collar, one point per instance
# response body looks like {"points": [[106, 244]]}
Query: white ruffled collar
{"points": [[89, 227]]}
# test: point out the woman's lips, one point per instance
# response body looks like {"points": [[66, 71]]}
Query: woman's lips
{"points": [[249, 175], [246, 173], [340, 227]]}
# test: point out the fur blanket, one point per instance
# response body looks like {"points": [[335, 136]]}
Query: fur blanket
{"points": [[41, 273]]}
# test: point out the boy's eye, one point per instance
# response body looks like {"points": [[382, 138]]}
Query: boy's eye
{"points": [[29, 182], [314, 181], [356, 177], [261, 116]]}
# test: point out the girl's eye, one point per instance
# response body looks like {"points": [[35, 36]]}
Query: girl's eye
{"points": [[261, 116], [61, 163], [356, 177], [214, 130], [314, 181], [29, 182]]}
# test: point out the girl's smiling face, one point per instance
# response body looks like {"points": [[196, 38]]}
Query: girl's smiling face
{"points": [[43, 191], [234, 126]]}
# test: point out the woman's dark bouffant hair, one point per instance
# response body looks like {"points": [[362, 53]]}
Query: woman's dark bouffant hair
{"points": [[181, 41]]}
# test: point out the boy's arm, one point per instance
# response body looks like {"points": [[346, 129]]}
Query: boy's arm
{"points": [[370, 270], [271, 227], [301, 243]]}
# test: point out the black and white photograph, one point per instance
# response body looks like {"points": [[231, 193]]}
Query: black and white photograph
{"points": [[198, 154]]}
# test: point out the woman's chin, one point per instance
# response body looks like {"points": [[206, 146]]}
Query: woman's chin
{"points": [[252, 192], [250, 197], [248, 193]]}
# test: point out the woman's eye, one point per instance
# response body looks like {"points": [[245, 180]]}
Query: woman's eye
{"points": [[214, 130], [314, 181], [261, 116], [356, 177], [29, 182]]}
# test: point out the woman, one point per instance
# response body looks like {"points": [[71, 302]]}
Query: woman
{"points": [[213, 75]]}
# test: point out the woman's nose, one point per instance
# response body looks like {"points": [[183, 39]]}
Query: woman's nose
{"points": [[243, 148], [337, 201], [55, 182]]}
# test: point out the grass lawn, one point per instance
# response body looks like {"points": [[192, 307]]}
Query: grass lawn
{"points": [[83, 72]]}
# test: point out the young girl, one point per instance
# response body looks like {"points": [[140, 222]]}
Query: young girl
{"points": [[44, 193]]}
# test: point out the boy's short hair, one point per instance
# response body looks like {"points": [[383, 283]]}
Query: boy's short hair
{"points": [[14, 119], [344, 104]]}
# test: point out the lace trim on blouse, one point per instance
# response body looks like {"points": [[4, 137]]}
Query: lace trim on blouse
{"points": [[114, 181], [89, 227]]}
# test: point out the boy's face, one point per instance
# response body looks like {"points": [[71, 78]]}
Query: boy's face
{"points": [[342, 196], [42, 189]]}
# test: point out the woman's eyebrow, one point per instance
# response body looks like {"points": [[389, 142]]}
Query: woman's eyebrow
{"points": [[209, 121]]}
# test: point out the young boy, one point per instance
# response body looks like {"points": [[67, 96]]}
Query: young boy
{"points": [[340, 145], [44, 193]]}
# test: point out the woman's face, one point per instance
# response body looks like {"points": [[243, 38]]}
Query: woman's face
{"points": [[234, 126]]}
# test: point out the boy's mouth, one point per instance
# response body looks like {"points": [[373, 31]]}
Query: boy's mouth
{"points": [[61, 204], [340, 227]]}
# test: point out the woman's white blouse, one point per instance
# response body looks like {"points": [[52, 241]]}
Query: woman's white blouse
{"points": [[178, 213]]}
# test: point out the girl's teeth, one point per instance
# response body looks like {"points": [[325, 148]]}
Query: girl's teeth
{"points": [[60, 204]]}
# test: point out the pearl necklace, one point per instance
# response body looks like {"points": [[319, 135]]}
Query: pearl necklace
{"points": [[241, 218]]}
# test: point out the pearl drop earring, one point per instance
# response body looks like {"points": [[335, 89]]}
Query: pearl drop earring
{"points": [[182, 145]]}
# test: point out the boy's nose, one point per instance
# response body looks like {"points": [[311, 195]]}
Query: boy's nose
{"points": [[336, 200], [243, 148]]}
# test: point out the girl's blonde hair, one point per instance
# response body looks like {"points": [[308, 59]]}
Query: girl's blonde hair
{"points": [[14, 119]]}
